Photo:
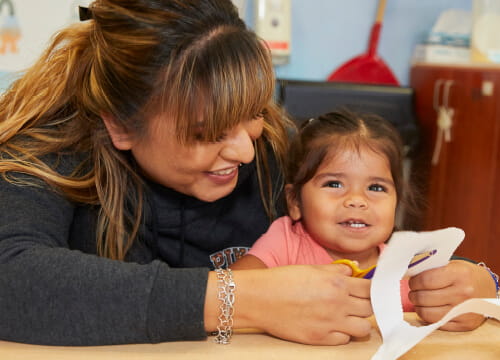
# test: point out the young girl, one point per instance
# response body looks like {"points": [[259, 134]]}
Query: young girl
{"points": [[344, 183]]}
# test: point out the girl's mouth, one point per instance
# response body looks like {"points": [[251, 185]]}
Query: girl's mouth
{"points": [[355, 224]]}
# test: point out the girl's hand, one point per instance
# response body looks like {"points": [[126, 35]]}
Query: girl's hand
{"points": [[434, 292], [320, 305]]}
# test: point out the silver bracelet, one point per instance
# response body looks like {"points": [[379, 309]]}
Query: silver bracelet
{"points": [[225, 293], [494, 276]]}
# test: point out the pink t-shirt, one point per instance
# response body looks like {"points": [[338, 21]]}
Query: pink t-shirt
{"points": [[286, 243]]}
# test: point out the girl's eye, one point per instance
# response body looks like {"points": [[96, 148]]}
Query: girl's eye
{"points": [[377, 187], [333, 184]]}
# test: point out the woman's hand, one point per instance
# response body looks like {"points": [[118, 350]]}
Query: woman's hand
{"points": [[434, 292], [319, 305], [312, 304]]}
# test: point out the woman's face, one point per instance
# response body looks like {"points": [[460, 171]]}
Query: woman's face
{"points": [[207, 171]]}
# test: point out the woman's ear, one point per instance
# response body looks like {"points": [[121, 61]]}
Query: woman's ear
{"points": [[121, 138], [292, 201]]}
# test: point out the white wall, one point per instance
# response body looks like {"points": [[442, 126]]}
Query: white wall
{"points": [[325, 33]]}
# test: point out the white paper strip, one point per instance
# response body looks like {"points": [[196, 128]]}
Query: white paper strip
{"points": [[398, 336]]}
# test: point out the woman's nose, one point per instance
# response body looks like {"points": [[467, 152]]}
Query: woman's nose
{"points": [[239, 146]]}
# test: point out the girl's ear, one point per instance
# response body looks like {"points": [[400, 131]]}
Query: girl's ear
{"points": [[121, 138], [292, 203]]}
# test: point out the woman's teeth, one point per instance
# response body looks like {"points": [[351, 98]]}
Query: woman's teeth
{"points": [[223, 172]]}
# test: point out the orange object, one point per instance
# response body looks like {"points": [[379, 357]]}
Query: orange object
{"points": [[367, 68], [356, 271], [368, 272]]}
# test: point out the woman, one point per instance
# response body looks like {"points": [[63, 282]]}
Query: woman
{"points": [[142, 150]]}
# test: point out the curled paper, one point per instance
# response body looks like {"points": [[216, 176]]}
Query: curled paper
{"points": [[398, 336]]}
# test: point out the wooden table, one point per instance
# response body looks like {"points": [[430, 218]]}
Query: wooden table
{"points": [[482, 343]]}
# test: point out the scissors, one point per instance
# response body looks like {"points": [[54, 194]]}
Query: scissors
{"points": [[368, 272]]}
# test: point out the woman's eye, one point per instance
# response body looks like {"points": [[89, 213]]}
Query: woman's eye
{"points": [[221, 137], [377, 187], [260, 115], [333, 184], [200, 138]]}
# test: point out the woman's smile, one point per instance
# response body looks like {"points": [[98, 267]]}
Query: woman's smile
{"points": [[207, 171], [223, 176]]}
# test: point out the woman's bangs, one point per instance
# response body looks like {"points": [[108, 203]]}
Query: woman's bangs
{"points": [[236, 85]]}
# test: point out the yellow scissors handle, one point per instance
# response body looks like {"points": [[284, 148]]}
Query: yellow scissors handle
{"points": [[356, 271], [368, 273]]}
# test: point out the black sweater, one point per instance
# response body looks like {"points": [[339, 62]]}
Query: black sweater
{"points": [[55, 290]]}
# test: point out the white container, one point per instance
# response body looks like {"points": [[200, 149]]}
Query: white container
{"points": [[485, 43], [273, 25]]}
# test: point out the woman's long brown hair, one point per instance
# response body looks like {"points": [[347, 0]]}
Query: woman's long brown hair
{"points": [[135, 58]]}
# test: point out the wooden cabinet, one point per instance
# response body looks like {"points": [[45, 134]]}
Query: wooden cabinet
{"points": [[462, 188]]}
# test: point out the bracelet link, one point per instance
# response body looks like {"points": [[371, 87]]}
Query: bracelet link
{"points": [[494, 276], [226, 287]]}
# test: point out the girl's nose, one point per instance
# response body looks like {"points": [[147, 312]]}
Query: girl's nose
{"points": [[356, 201]]}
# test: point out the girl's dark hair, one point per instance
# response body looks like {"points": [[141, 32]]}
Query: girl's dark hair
{"points": [[333, 132]]}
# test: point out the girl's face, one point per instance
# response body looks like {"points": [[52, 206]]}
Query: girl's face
{"points": [[349, 205], [207, 171]]}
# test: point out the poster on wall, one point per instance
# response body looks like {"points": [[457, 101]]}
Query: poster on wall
{"points": [[26, 27]]}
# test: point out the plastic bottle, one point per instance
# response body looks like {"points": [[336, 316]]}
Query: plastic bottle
{"points": [[485, 44]]}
